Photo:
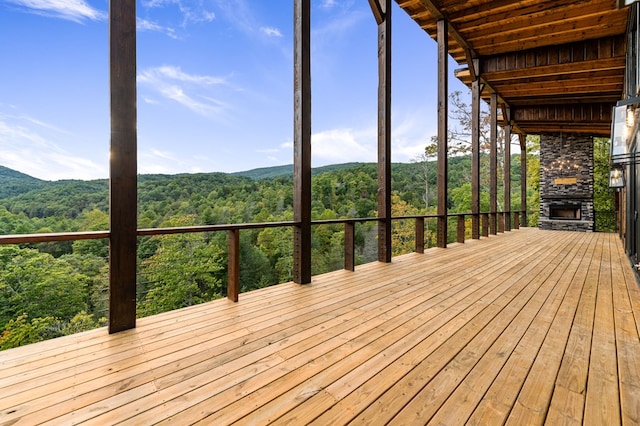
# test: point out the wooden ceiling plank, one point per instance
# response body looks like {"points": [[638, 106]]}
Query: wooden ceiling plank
{"points": [[556, 70], [593, 26], [565, 15], [528, 92]]}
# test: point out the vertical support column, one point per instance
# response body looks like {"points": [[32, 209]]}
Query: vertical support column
{"points": [[302, 143], [485, 224], [493, 165], [475, 156], [523, 179], [420, 235], [123, 192], [349, 246], [443, 88], [507, 171], [233, 265], [461, 228], [384, 134]]}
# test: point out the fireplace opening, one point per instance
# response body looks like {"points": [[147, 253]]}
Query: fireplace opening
{"points": [[564, 212]]}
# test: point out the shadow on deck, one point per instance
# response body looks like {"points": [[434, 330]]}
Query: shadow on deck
{"points": [[526, 327]]}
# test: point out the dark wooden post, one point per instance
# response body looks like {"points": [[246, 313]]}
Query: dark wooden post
{"points": [[461, 229], [516, 220], [123, 196], [443, 88], [485, 224], [384, 134], [419, 235], [475, 155], [493, 165], [233, 265], [523, 179], [302, 143], [349, 246], [507, 171]]}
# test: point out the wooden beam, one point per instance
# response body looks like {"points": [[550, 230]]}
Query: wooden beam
{"points": [[123, 198], [507, 170], [233, 265], [419, 225], [523, 178], [443, 114], [452, 30], [376, 8], [349, 246], [302, 143], [384, 135], [493, 163], [475, 159]]}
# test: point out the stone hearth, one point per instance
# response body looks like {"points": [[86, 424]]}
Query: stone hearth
{"points": [[566, 182]]}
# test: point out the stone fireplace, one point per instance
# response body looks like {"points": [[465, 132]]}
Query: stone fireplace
{"points": [[566, 182]]}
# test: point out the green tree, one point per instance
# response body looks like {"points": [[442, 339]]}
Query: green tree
{"points": [[39, 285], [533, 179], [603, 196], [185, 270], [21, 331]]}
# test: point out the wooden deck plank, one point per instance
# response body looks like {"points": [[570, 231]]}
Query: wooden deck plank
{"points": [[533, 400], [340, 383], [500, 398], [515, 320], [465, 398], [478, 331], [386, 407], [602, 402], [567, 403], [626, 333]]}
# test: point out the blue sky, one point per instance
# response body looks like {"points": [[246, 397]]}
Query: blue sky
{"points": [[214, 85]]}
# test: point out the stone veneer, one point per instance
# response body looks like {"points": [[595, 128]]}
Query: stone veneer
{"points": [[566, 181]]}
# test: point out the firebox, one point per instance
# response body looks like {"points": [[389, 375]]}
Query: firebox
{"points": [[564, 212]]}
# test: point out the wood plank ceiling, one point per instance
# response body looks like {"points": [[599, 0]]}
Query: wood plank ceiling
{"points": [[556, 65]]}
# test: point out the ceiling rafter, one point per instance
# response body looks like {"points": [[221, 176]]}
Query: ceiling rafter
{"points": [[378, 13], [470, 54]]}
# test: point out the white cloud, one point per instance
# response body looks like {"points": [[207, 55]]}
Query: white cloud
{"points": [[26, 145], [271, 32], [190, 11], [344, 145], [328, 4], [145, 25], [176, 73], [155, 161], [188, 90], [409, 135], [411, 132], [72, 10]]}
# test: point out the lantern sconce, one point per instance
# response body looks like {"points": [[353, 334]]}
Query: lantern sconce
{"points": [[616, 178]]}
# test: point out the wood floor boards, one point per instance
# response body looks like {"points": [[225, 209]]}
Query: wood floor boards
{"points": [[527, 327]]}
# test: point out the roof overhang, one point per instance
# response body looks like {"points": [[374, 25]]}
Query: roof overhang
{"points": [[557, 65]]}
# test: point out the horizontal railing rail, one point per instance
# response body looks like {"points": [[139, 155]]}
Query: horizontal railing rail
{"points": [[491, 222]]}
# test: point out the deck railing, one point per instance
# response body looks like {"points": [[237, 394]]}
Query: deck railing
{"points": [[490, 223]]}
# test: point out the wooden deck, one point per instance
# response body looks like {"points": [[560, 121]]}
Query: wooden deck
{"points": [[527, 327]]}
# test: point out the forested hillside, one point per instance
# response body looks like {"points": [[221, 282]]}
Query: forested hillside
{"points": [[52, 289]]}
